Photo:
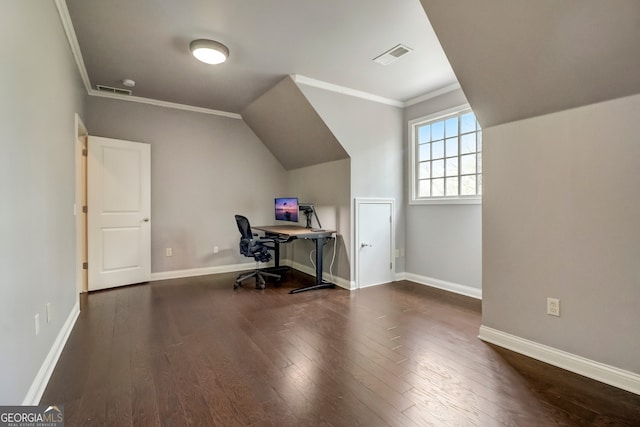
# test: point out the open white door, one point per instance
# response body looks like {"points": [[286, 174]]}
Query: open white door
{"points": [[374, 242], [119, 212]]}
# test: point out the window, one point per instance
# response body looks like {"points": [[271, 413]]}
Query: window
{"points": [[446, 158]]}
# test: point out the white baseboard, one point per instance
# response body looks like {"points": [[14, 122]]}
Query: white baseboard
{"points": [[441, 284], [44, 374], [178, 274], [192, 272], [607, 374], [343, 283]]}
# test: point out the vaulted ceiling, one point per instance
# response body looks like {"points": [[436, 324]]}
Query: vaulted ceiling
{"points": [[522, 58], [333, 41]]}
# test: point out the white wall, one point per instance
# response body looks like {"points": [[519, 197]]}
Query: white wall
{"points": [[562, 219], [444, 242], [41, 92], [204, 169], [372, 135]]}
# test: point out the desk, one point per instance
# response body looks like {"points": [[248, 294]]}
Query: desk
{"points": [[292, 232]]}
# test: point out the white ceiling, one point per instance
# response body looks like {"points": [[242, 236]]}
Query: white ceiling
{"points": [[333, 41]]}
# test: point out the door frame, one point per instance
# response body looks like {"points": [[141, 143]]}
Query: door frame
{"points": [[356, 241], [80, 142]]}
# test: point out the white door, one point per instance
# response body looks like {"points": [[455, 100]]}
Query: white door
{"points": [[374, 242], [119, 209]]}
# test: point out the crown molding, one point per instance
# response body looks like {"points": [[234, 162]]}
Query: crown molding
{"points": [[432, 94], [345, 90], [298, 78], [65, 19], [165, 104]]}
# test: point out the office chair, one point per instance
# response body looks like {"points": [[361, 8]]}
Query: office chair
{"points": [[257, 248]]}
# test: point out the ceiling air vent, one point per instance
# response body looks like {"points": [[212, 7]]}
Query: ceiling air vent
{"points": [[103, 88], [392, 54]]}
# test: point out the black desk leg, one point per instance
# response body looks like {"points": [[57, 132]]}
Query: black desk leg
{"points": [[319, 283]]}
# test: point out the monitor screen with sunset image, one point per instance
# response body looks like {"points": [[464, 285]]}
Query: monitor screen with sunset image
{"points": [[286, 209]]}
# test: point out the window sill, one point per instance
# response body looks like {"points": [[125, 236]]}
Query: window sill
{"points": [[475, 200]]}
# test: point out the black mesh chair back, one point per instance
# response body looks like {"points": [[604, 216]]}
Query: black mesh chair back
{"points": [[254, 247], [244, 227]]}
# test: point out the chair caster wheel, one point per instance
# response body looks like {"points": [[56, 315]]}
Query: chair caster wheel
{"points": [[261, 285], [236, 285]]}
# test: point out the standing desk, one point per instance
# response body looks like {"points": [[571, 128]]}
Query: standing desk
{"points": [[292, 232]]}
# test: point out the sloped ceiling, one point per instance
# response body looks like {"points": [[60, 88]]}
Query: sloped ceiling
{"points": [[523, 58], [330, 40], [291, 128]]}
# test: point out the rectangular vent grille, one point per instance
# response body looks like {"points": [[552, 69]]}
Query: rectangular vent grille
{"points": [[392, 54], [110, 89]]}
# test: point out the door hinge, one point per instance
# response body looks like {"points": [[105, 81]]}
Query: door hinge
{"points": [[85, 152], [390, 265], [85, 209], [85, 265]]}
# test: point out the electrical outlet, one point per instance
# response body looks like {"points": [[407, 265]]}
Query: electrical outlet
{"points": [[169, 252], [216, 249], [36, 321], [553, 306]]}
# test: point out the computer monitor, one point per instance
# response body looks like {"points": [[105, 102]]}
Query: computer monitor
{"points": [[286, 209]]}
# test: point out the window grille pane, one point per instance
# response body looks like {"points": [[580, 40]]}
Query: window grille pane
{"points": [[468, 164], [437, 149], [467, 123], [437, 131], [451, 166], [437, 168], [424, 188], [468, 185], [437, 189], [451, 147], [468, 143], [424, 170], [452, 186], [424, 134], [424, 152], [451, 126], [448, 156]]}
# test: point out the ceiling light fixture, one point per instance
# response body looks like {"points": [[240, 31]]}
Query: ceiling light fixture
{"points": [[209, 51]]}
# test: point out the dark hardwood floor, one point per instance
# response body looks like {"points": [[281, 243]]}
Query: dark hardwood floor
{"points": [[194, 352]]}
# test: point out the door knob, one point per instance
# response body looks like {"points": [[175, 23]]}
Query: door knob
{"points": [[146, 220]]}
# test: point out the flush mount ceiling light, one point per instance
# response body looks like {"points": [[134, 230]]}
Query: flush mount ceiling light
{"points": [[209, 51]]}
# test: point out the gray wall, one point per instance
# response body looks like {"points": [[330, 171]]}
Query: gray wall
{"points": [[372, 135], [444, 242], [41, 92], [326, 186], [291, 129], [204, 169], [561, 219]]}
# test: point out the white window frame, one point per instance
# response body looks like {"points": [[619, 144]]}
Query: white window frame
{"points": [[413, 164]]}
